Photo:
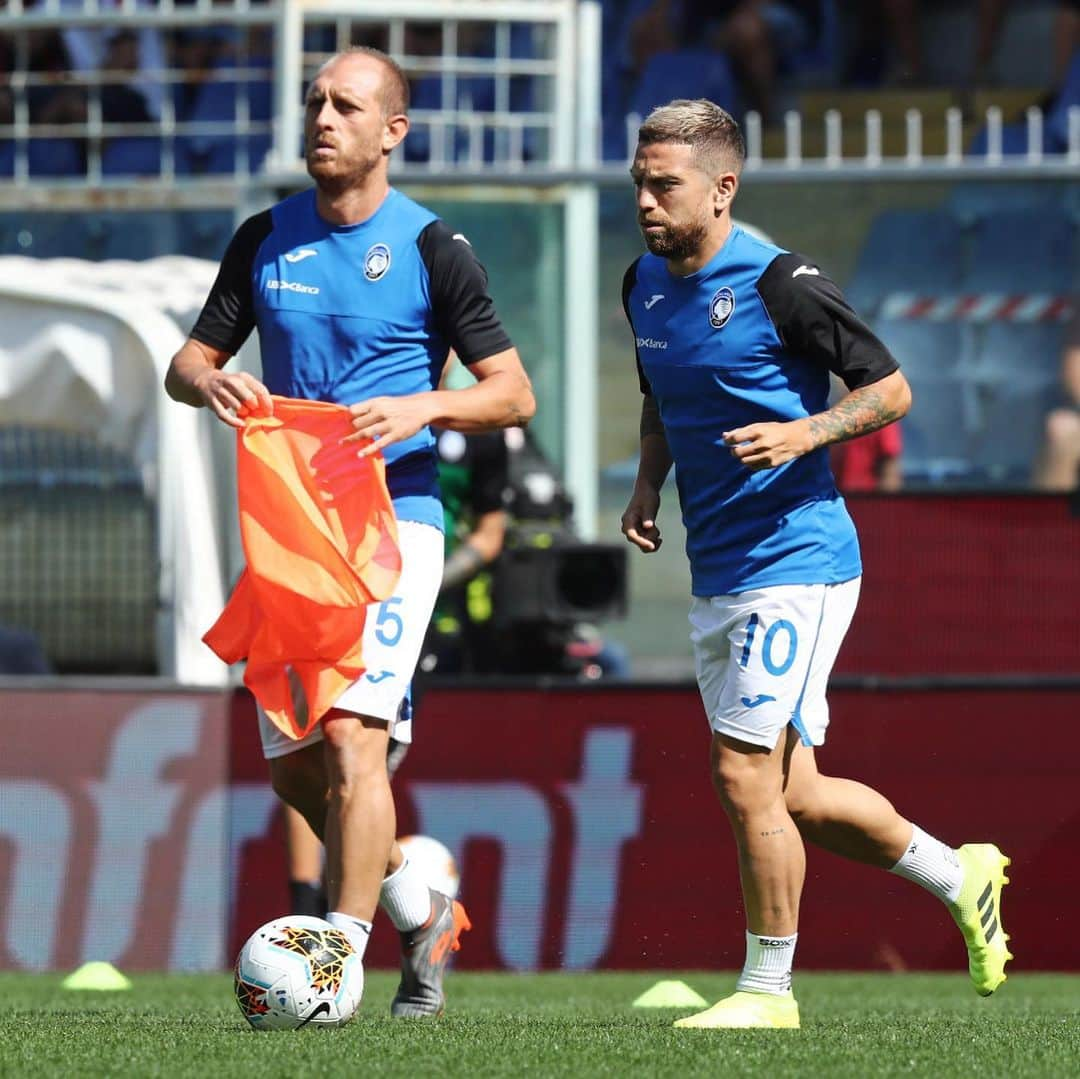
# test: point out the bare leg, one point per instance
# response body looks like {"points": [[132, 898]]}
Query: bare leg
{"points": [[299, 779], [772, 861], [360, 819], [991, 16], [1066, 39], [902, 17], [746, 38], [1058, 468], [303, 848], [840, 815]]}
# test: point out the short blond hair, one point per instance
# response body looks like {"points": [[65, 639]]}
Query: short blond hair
{"points": [[394, 92], [712, 133]]}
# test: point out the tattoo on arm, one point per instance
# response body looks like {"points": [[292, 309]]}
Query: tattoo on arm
{"points": [[862, 411], [773, 831]]}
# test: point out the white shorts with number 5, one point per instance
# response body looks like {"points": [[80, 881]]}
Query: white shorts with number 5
{"points": [[763, 658], [393, 638]]}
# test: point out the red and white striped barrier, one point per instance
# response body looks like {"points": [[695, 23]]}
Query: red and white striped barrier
{"points": [[979, 307]]}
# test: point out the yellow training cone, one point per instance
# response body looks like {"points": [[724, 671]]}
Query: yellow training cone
{"points": [[670, 994], [99, 976]]}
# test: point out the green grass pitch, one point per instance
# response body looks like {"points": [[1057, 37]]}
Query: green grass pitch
{"points": [[859, 1025]]}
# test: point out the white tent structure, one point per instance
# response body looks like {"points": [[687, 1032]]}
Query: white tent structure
{"points": [[84, 347]]}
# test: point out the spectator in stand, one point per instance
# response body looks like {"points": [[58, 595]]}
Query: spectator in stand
{"points": [[1058, 467], [1066, 90], [1066, 38], [53, 99], [758, 36], [7, 117], [121, 102], [905, 34], [870, 462], [88, 47]]}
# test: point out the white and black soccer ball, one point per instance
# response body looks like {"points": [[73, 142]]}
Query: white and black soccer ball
{"points": [[296, 972], [435, 862]]}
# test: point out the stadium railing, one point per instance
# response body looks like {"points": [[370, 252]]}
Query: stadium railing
{"points": [[523, 168]]}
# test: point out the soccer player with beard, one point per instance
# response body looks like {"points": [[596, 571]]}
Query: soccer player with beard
{"points": [[358, 294], [735, 342]]}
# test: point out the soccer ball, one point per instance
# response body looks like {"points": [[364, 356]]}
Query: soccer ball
{"points": [[435, 861], [297, 972]]}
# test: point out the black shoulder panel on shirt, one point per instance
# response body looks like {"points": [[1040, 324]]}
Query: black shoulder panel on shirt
{"points": [[628, 282], [814, 321], [463, 311], [228, 316]]}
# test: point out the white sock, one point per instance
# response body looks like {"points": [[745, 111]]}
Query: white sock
{"points": [[358, 932], [406, 897], [768, 964], [930, 863]]}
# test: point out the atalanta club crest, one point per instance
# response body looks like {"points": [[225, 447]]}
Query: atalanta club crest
{"points": [[721, 307], [376, 261]]}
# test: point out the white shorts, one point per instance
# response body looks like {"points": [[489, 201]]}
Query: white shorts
{"points": [[393, 638], [763, 658]]}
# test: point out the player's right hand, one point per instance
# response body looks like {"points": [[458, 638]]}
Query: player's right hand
{"points": [[232, 395], [639, 523]]}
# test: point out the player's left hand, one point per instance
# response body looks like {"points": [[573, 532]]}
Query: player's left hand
{"points": [[766, 445], [383, 421]]}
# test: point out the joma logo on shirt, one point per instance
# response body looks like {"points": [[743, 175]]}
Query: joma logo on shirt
{"points": [[292, 286], [651, 342]]}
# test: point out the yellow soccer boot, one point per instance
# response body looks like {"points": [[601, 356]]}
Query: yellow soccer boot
{"points": [[977, 912], [743, 1010]]}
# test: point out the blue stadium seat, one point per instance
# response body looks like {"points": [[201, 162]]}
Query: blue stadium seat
{"points": [[131, 155], [7, 158], [686, 73], [926, 350], [1014, 140], [1023, 251], [942, 419], [819, 61], [938, 432], [976, 199], [1018, 373], [55, 157], [907, 251], [217, 102], [475, 94]]}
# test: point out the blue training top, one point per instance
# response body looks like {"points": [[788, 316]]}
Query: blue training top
{"points": [[750, 337], [350, 312]]}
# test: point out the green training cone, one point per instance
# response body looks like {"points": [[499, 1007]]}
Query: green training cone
{"points": [[100, 976], [670, 994]]}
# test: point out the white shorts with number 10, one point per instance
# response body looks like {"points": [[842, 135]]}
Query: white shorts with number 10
{"points": [[393, 638], [763, 658]]}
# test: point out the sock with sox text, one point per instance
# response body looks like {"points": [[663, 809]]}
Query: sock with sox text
{"points": [[768, 964], [933, 865]]}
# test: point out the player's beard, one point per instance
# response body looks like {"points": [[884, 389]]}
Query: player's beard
{"points": [[344, 172], [677, 241]]}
